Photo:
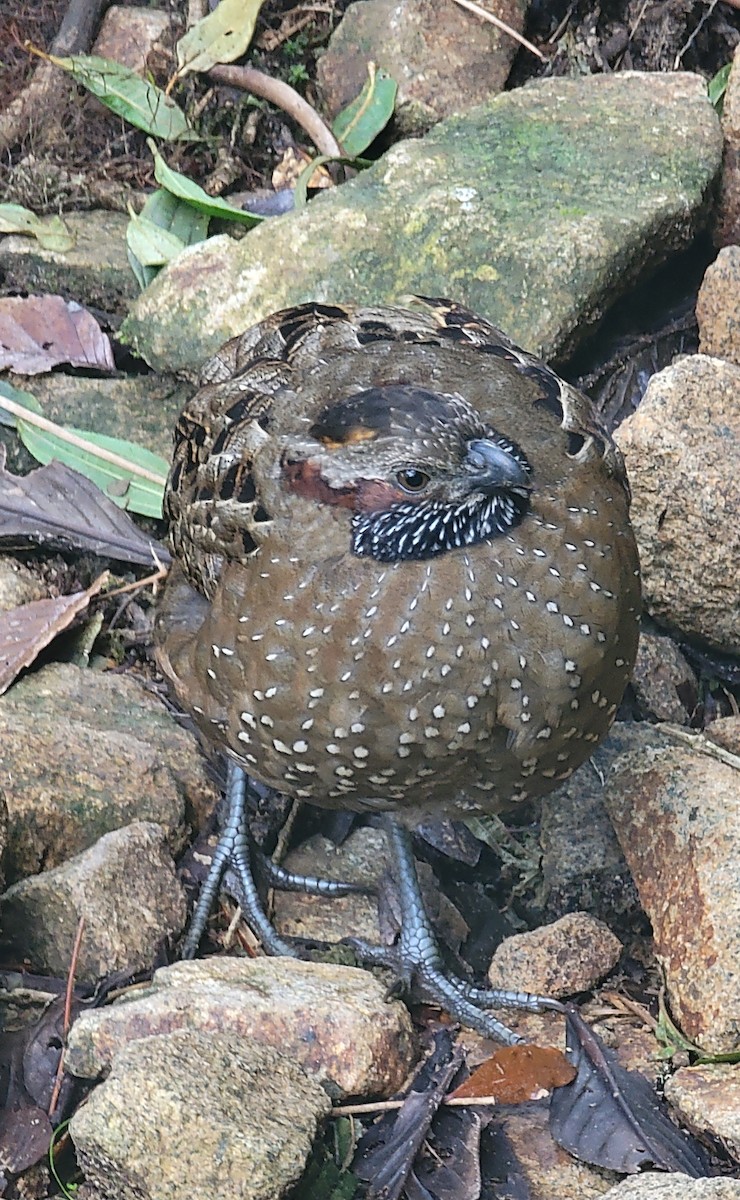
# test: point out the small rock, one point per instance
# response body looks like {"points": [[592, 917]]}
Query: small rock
{"points": [[583, 866], [660, 1186], [444, 60], [95, 271], [568, 956], [333, 1021], [18, 585], [708, 1098], [361, 859], [664, 683], [126, 890], [717, 309], [190, 1114], [725, 732], [85, 752], [682, 447], [127, 35], [727, 221], [674, 799]]}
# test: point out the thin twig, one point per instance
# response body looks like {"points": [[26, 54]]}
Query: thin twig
{"points": [[67, 1020], [486, 16], [249, 79], [65, 435], [160, 573], [356, 1110]]}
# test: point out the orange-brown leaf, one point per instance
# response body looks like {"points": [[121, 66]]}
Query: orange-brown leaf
{"points": [[517, 1073]]}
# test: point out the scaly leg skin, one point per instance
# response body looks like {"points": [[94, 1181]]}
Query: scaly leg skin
{"points": [[417, 960], [232, 863]]}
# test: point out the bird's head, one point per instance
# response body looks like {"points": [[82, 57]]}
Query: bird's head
{"points": [[421, 472]]}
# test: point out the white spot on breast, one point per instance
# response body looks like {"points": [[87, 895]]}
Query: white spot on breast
{"points": [[248, 719], [307, 724], [361, 752], [280, 746], [265, 720], [300, 747], [438, 711]]}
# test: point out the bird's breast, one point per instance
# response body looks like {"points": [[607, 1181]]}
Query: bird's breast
{"points": [[475, 680]]}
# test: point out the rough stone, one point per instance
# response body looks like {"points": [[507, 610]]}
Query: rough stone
{"points": [[125, 889], [583, 866], [717, 307], [127, 34], [674, 798], [335, 1022], [682, 447], [664, 683], [444, 59], [85, 752], [95, 272], [563, 958], [536, 209], [198, 1114], [660, 1186], [18, 585], [361, 859], [725, 732], [708, 1098]]}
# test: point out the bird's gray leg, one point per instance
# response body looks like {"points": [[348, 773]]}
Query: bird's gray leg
{"points": [[232, 864], [417, 956], [233, 852]]}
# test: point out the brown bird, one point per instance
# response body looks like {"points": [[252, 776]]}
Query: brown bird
{"points": [[406, 580]]}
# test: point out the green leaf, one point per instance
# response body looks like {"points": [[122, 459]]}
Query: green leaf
{"points": [[50, 232], [188, 191], [220, 37], [717, 87], [123, 91], [27, 399], [127, 489], [122, 482], [164, 226], [152, 245], [360, 122]]}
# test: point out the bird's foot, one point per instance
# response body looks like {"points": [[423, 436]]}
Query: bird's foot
{"points": [[232, 865], [416, 961]]}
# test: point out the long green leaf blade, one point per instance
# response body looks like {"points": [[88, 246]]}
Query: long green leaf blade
{"points": [[357, 125], [185, 189], [137, 100]]}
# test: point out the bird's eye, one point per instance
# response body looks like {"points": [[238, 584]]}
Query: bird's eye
{"points": [[412, 480]]}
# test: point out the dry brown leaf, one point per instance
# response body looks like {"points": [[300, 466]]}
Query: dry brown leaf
{"points": [[515, 1074], [24, 631], [291, 167], [39, 332]]}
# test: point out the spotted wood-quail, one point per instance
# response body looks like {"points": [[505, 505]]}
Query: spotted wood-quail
{"points": [[405, 576]]}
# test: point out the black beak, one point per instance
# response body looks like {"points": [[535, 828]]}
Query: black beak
{"points": [[493, 468]]}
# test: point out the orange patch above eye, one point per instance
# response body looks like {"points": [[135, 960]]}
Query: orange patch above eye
{"points": [[357, 433]]}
